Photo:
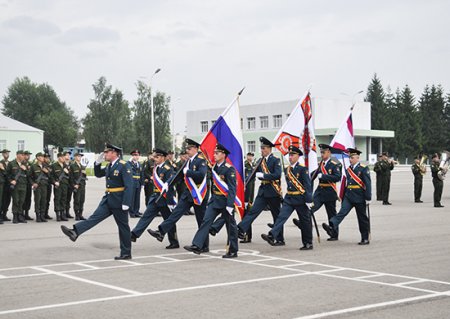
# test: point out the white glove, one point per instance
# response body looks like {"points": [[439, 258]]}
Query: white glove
{"points": [[309, 205], [259, 175], [319, 175], [165, 187], [230, 210], [125, 207], [368, 202], [100, 159], [171, 207], [246, 205], [185, 169]]}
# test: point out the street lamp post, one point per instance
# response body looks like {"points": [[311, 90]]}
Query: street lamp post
{"points": [[173, 123], [152, 110]]}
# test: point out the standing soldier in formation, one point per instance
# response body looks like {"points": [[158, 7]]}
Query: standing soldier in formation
{"points": [[298, 198], [27, 203], [69, 188], [136, 168], [3, 184], [437, 182], [377, 170], [162, 172], [77, 180], [269, 193], [60, 180], [17, 173], [39, 176], [6, 196], [329, 173], [358, 194], [48, 166], [147, 171], [116, 201], [387, 165], [418, 171]]}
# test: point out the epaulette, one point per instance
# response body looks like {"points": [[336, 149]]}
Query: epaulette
{"points": [[122, 162], [228, 165], [201, 156], [166, 166], [362, 165], [335, 163]]}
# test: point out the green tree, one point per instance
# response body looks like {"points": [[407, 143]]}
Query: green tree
{"points": [[108, 119], [161, 104], [376, 97], [38, 105], [390, 112], [447, 122]]}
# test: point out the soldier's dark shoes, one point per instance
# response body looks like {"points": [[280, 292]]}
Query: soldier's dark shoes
{"points": [[364, 242], [124, 257], [133, 237], [439, 205], [245, 241], [5, 218], [133, 216], [268, 239], [418, 201], [241, 235], [332, 239], [156, 234], [173, 246], [296, 222], [328, 229], [71, 233], [230, 255], [270, 225], [307, 247], [205, 250], [387, 203], [212, 232], [279, 243], [194, 249], [47, 216]]}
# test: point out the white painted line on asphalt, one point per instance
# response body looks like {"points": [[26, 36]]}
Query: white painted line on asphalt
{"points": [[167, 258], [86, 265], [92, 282], [371, 306], [1, 277], [158, 292], [131, 262], [370, 276], [295, 265], [411, 282]]}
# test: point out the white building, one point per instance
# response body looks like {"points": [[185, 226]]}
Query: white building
{"points": [[266, 119], [15, 135]]}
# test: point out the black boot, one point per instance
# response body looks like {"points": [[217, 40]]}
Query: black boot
{"points": [[15, 218], [63, 216], [27, 216], [81, 215], [47, 216], [42, 215], [22, 218], [77, 215], [58, 216], [68, 214], [38, 218], [1, 220]]}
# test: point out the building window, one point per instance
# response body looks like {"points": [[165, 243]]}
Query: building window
{"points": [[212, 122], [242, 123], [264, 121], [204, 125], [251, 146], [251, 123], [287, 115], [2, 144], [20, 145], [277, 120]]}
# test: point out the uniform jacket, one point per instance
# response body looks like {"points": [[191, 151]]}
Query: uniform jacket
{"points": [[228, 174], [359, 195], [136, 169], [301, 174], [77, 174], [334, 174], [38, 175], [13, 170], [266, 189], [57, 170], [165, 172]]}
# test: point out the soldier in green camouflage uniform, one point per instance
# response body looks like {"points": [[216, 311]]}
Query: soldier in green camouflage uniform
{"points": [[60, 180], [39, 179], [48, 165], [78, 183], [387, 166], [377, 170], [17, 175], [437, 182], [418, 172], [69, 189], [5, 198], [27, 203], [3, 183]]}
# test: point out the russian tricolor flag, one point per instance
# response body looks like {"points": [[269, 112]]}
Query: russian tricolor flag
{"points": [[227, 131]]}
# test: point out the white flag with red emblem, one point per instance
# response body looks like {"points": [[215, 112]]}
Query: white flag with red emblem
{"points": [[298, 130]]}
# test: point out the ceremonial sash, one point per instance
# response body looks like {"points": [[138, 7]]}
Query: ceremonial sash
{"points": [[295, 181], [356, 178], [159, 184], [274, 184], [324, 172], [198, 193], [223, 187]]}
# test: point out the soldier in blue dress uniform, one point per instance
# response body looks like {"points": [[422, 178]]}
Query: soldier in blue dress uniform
{"points": [[298, 198], [221, 202], [136, 169], [194, 172], [165, 204], [358, 194], [116, 201], [269, 192]]}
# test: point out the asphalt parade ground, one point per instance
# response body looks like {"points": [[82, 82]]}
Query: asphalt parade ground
{"points": [[403, 273]]}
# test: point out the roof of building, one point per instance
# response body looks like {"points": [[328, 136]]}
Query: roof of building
{"points": [[9, 124]]}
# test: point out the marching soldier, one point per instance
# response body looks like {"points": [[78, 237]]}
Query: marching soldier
{"points": [[147, 172], [379, 182], [17, 173], [162, 172], [196, 193], [418, 172], [69, 188], [328, 173], [358, 194], [221, 202], [269, 193], [77, 180], [116, 201], [5, 200], [136, 168], [27, 203], [180, 186], [386, 166], [48, 166], [60, 179], [298, 198], [39, 175], [437, 182]]}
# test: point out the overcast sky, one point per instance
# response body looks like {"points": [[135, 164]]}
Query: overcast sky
{"points": [[209, 50]]}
